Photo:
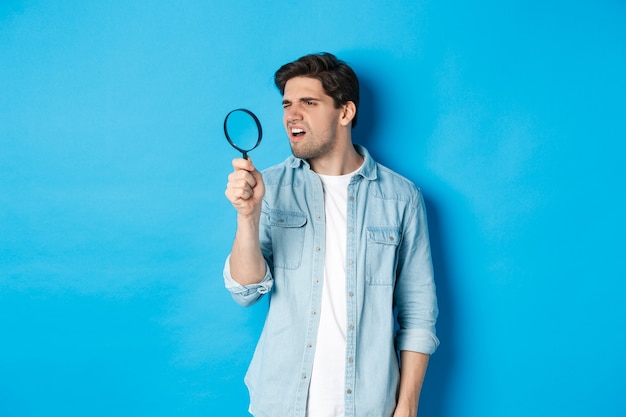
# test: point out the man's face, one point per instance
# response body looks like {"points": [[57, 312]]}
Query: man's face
{"points": [[310, 118]]}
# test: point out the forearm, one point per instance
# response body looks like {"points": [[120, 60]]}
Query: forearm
{"points": [[412, 371], [247, 265]]}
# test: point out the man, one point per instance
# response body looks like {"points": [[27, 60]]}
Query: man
{"points": [[341, 244]]}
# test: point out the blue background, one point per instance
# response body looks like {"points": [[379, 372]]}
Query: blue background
{"points": [[114, 226]]}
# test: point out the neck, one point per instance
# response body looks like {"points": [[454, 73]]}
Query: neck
{"points": [[343, 160]]}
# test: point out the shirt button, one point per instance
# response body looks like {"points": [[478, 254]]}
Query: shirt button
{"points": [[350, 229], [351, 294], [309, 346], [314, 312], [350, 360], [317, 249], [349, 261], [349, 391], [303, 376], [351, 327], [351, 198]]}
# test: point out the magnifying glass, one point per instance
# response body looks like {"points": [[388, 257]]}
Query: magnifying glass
{"points": [[243, 130]]}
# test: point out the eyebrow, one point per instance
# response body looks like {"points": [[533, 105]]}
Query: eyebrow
{"points": [[302, 99]]}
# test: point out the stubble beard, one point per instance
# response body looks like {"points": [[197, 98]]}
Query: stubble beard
{"points": [[311, 148]]}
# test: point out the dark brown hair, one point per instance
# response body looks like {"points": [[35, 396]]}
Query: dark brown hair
{"points": [[338, 79]]}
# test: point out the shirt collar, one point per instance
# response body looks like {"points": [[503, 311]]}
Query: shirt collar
{"points": [[367, 170]]}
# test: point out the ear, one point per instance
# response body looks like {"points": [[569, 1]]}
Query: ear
{"points": [[348, 111]]}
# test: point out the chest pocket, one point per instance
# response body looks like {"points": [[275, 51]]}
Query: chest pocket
{"points": [[287, 238], [381, 255]]}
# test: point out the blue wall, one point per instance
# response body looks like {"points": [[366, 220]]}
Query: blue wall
{"points": [[114, 227]]}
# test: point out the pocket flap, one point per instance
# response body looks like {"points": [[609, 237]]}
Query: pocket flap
{"points": [[282, 218], [384, 235]]}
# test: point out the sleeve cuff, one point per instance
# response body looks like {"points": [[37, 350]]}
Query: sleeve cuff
{"points": [[246, 295], [417, 340]]}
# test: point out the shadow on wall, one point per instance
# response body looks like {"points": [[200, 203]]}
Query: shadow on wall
{"points": [[366, 129], [437, 386]]}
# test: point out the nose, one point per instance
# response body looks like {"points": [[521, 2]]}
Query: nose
{"points": [[292, 113]]}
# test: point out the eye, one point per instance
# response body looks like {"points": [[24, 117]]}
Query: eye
{"points": [[285, 105], [310, 103]]}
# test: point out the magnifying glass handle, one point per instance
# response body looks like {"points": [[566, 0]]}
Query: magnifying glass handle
{"points": [[245, 155]]}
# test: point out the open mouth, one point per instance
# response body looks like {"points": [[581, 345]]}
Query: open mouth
{"points": [[297, 132]]}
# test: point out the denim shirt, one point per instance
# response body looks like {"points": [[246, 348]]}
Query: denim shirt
{"points": [[390, 292]]}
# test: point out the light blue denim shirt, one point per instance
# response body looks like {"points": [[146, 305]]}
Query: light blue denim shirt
{"points": [[388, 270]]}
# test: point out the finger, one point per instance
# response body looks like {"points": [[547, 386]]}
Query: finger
{"points": [[242, 178], [238, 195], [243, 164]]}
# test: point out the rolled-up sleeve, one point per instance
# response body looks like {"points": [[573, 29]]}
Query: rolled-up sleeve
{"points": [[247, 295], [415, 293]]}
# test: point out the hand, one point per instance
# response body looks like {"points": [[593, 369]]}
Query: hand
{"points": [[245, 188]]}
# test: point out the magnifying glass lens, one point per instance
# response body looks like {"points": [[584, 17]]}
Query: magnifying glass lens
{"points": [[243, 130]]}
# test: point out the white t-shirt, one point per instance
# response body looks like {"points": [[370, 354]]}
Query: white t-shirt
{"points": [[326, 391]]}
